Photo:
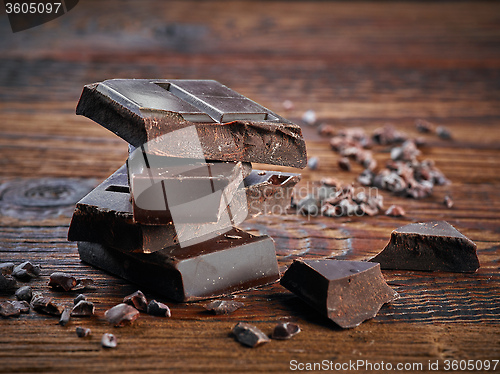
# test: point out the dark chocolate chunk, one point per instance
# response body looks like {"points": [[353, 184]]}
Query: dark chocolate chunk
{"points": [[62, 281], [65, 316], [82, 332], [285, 330], [249, 335], [429, 246], [229, 126], [137, 300], [46, 305], [232, 262], [83, 308], [26, 271], [6, 268], [219, 307], [105, 215], [7, 309], [155, 308], [121, 315], [79, 298], [347, 292], [109, 341], [22, 305], [24, 293], [7, 283]]}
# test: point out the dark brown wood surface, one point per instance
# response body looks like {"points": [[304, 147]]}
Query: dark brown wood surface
{"points": [[359, 64]]}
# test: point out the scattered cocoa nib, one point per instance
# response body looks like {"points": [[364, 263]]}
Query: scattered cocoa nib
{"points": [[109, 341], [443, 133], [6, 268], [26, 271], [326, 130], [82, 332], [65, 316], [249, 335], [407, 152], [313, 163], [23, 306], [424, 126], [46, 305], [155, 308], [7, 309], [24, 293], [388, 135], [285, 330], [62, 281], [121, 315], [82, 309], [137, 300], [219, 307], [395, 211], [287, 105], [82, 283], [7, 283], [448, 202], [309, 117], [79, 298], [344, 164]]}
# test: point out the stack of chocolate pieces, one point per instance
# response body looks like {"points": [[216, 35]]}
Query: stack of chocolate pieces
{"points": [[167, 219]]}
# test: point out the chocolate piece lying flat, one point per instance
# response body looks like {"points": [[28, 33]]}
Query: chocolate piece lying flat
{"points": [[347, 292], [105, 215], [232, 262], [249, 335], [429, 246], [229, 126]]}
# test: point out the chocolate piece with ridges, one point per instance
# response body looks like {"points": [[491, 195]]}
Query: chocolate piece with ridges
{"points": [[347, 292], [232, 262], [249, 335], [429, 246], [230, 126]]}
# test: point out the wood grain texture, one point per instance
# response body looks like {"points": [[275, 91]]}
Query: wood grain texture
{"points": [[360, 64]]}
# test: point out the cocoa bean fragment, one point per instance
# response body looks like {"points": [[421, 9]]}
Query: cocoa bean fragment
{"points": [[121, 315], [137, 300], [62, 281]]}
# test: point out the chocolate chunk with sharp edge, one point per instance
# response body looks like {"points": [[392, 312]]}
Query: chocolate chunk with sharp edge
{"points": [[82, 332], [24, 293], [121, 315], [83, 308], [79, 298], [155, 308], [6, 268], [7, 309], [22, 305], [65, 316], [285, 330], [347, 292], [232, 262], [219, 307], [109, 341], [137, 300], [46, 305], [229, 126], [26, 271], [7, 283], [249, 335], [105, 215], [429, 246], [62, 281]]}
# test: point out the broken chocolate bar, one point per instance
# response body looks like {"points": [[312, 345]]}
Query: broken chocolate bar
{"points": [[229, 126], [229, 263], [347, 292], [105, 215], [429, 246]]}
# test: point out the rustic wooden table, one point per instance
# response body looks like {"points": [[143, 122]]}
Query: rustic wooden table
{"points": [[360, 64]]}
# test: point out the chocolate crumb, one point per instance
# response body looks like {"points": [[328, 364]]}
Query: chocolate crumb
{"points": [[26, 271], [395, 211], [344, 164], [79, 298], [443, 133], [6, 268], [7, 283], [24, 293], [82, 332], [219, 307], [249, 335], [22, 305], [285, 330], [109, 341], [137, 300], [62, 281], [155, 308], [424, 126], [8, 310], [313, 163], [448, 201], [121, 315], [83, 308], [65, 316], [46, 305]]}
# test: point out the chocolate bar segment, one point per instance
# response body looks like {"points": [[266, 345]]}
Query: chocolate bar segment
{"points": [[229, 126], [347, 292], [429, 246], [229, 263]]}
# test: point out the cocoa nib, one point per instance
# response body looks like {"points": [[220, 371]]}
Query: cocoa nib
{"points": [[285, 330], [65, 316], [7, 283], [137, 300], [7, 309], [46, 305], [448, 201], [24, 293], [82, 332], [79, 298], [121, 315], [23, 306], [109, 341], [395, 211], [83, 308], [6, 268], [62, 281], [155, 308], [223, 306], [249, 335], [26, 271]]}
